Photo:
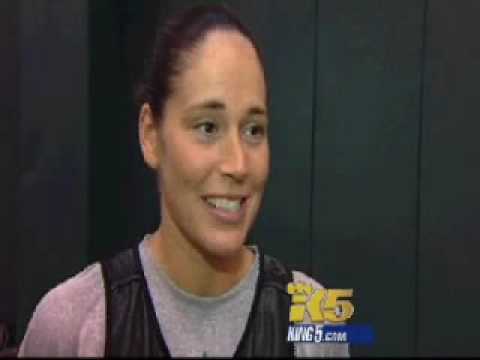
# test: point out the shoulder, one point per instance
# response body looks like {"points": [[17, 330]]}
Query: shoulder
{"points": [[301, 277], [69, 319]]}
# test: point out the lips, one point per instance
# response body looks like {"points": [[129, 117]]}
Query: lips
{"points": [[227, 209], [230, 205]]}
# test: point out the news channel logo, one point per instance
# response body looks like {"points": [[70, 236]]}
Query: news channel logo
{"points": [[328, 310]]}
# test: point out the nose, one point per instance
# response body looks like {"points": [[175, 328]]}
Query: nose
{"points": [[234, 159]]}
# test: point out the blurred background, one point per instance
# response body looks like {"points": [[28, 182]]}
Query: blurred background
{"points": [[375, 116]]}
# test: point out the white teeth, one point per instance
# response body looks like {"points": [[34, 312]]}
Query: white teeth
{"points": [[225, 204]]}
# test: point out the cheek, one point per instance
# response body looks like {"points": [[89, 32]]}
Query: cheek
{"points": [[183, 163]]}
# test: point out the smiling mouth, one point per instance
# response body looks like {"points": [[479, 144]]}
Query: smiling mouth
{"points": [[229, 205]]}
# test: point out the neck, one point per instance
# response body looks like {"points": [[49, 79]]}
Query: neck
{"points": [[194, 271]]}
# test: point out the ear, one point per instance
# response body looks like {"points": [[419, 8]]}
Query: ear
{"points": [[148, 135]]}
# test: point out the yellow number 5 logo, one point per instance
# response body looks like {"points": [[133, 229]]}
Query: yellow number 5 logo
{"points": [[322, 305]]}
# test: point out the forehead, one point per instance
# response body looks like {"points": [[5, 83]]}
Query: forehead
{"points": [[224, 65]]}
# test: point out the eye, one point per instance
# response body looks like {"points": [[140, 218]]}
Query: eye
{"points": [[208, 127], [255, 132]]}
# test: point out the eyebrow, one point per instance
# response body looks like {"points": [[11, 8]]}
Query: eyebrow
{"points": [[219, 105]]}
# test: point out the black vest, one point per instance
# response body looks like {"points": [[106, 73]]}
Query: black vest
{"points": [[132, 327]]}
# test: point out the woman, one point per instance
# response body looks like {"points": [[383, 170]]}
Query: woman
{"points": [[192, 288]]}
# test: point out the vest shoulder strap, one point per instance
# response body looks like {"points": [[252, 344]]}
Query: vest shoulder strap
{"points": [[121, 269], [267, 326], [275, 273], [131, 326]]}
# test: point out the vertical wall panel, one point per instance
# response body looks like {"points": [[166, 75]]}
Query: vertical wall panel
{"points": [[366, 136], [9, 110], [52, 197], [109, 116], [449, 291]]}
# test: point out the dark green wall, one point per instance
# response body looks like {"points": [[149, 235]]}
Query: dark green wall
{"points": [[366, 152], [448, 268], [9, 112], [51, 150], [374, 155]]}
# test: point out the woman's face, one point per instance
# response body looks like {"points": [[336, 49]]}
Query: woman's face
{"points": [[213, 154]]}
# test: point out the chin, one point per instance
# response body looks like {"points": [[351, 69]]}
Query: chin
{"points": [[223, 245]]}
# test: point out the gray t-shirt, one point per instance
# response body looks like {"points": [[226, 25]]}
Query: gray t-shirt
{"points": [[70, 319]]}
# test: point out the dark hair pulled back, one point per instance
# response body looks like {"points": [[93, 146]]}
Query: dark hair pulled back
{"points": [[178, 36]]}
